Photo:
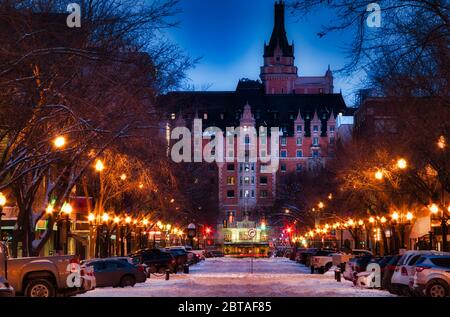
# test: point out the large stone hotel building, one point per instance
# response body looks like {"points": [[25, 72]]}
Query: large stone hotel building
{"points": [[305, 109]]}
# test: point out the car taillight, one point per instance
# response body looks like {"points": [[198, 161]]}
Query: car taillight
{"points": [[140, 268], [404, 271], [421, 268]]}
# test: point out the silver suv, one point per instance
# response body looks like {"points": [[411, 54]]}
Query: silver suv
{"points": [[432, 276]]}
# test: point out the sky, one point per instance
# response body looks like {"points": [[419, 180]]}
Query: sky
{"points": [[229, 37]]}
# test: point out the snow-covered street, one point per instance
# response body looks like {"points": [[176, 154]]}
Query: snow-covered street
{"points": [[230, 277]]}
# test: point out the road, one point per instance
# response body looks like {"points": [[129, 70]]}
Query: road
{"points": [[230, 277]]}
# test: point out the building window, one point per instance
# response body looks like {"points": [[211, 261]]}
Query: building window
{"points": [[263, 153], [247, 139], [283, 141], [332, 140], [332, 128], [299, 129], [263, 180], [240, 193], [253, 179], [315, 154], [299, 153], [205, 116], [246, 180], [283, 167], [230, 167], [316, 128], [247, 168], [173, 116], [240, 167], [299, 141], [264, 168], [240, 180], [299, 167], [315, 141], [230, 193], [253, 194], [264, 193], [230, 180], [283, 153], [247, 194]]}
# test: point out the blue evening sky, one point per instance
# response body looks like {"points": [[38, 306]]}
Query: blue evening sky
{"points": [[229, 36]]}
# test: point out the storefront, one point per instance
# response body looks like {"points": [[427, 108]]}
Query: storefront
{"points": [[246, 239]]}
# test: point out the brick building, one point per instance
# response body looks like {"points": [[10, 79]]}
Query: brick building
{"points": [[304, 109]]}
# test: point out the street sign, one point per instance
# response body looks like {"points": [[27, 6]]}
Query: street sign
{"points": [[252, 233]]}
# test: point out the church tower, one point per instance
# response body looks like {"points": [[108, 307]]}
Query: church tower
{"points": [[279, 72]]}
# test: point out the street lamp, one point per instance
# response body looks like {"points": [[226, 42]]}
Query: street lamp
{"points": [[402, 164], [99, 166], [2, 204], [67, 210], [379, 175], [59, 142]]}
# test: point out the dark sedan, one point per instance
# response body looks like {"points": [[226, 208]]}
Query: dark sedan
{"points": [[158, 261], [114, 273]]}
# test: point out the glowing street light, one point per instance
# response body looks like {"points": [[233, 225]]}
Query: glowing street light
{"points": [[383, 220], [402, 164], [49, 210], [59, 142], [321, 205], [442, 143], [123, 177], [395, 216], [145, 222], [105, 217], [434, 208], [116, 219], [91, 217], [99, 166], [360, 222], [409, 216], [2, 200], [67, 209], [379, 175], [128, 219]]}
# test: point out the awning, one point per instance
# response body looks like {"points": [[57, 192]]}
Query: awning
{"points": [[421, 227]]}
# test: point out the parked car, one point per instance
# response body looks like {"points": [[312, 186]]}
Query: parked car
{"points": [[158, 261], [40, 276], [6, 289], [388, 271], [305, 254], [382, 262], [356, 265], [114, 273], [322, 260], [200, 254], [432, 276], [130, 260], [180, 255], [193, 258], [403, 276]]}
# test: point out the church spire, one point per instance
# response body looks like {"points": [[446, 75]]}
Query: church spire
{"points": [[279, 37]]}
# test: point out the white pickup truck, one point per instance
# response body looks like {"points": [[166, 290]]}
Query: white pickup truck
{"points": [[322, 261]]}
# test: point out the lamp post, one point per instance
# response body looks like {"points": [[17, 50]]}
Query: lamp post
{"points": [[402, 220], [442, 145], [2, 204], [443, 219], [67, 210]]}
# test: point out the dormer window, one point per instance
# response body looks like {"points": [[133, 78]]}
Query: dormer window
{"points": [[316, 128], [299, 129], [173, 116], [205, 116], [332, 128]]}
